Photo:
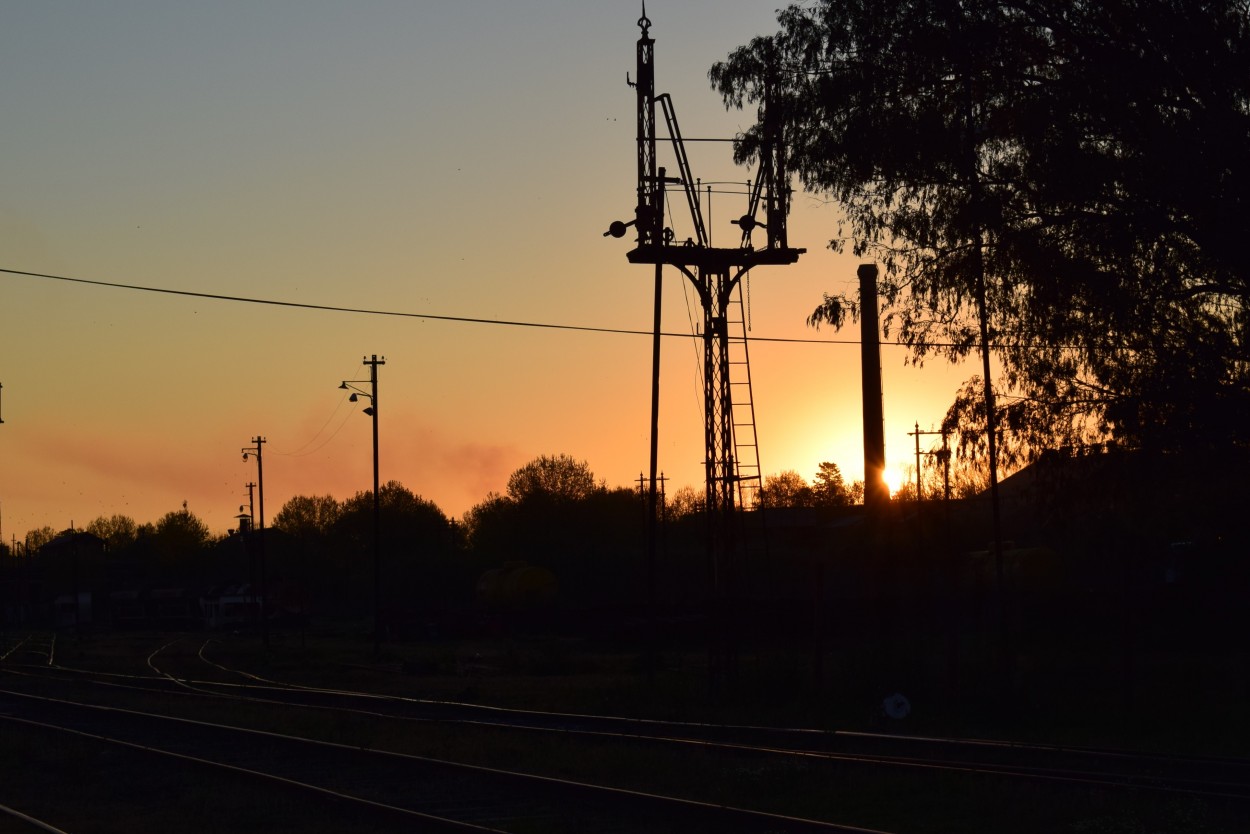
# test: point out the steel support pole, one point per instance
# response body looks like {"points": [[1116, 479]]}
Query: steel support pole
{"points": [[377, 515]]}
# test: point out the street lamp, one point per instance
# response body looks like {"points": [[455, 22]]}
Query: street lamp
{"points": [[372, 411], [260, 483]]}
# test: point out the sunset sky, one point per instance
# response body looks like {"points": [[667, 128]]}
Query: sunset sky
{"points": [[447, 159]]}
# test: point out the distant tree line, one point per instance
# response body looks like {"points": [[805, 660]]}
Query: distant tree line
{"points": [[830, 490], [175, 539], [318, 552]]}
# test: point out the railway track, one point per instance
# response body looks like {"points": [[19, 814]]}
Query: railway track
{"points": [[14, 817], [1220, 778], [29, 648], [185, 671], [390, 785], [385, 786]]}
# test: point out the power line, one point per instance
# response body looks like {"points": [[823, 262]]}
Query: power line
{"points": [[395, 313], [304, 451]]}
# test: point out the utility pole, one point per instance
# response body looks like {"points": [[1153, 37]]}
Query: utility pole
{"points": [[377, 508], [251, 503], [946, 565], [942, 454], [373, 362], [653, 506], [917, 434], [247, 524], [260, 482], [73, 545]]}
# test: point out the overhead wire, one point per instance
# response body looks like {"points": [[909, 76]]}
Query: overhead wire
{"points": [[331, 308], [395, 313], [303, 451], [690, 318]]}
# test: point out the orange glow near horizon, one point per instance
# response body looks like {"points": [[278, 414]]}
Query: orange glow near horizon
{"points": [[384, 183]]}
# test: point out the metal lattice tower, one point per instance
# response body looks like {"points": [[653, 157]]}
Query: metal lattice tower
{"points": [[715, 274]]}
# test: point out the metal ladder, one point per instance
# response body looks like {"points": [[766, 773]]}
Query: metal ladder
{"points": [[746, 442]]}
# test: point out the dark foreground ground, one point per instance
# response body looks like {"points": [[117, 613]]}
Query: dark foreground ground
{"points": [[1160, 699]]}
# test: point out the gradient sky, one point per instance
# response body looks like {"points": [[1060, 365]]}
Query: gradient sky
{"points": [[450, 159]]}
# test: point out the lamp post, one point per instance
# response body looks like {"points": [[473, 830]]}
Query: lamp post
{"points": [[372, 411], [260, 483]]}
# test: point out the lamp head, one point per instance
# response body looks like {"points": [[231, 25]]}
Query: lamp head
{"points": [[369, 411], [617, 228], [343, 385], [352, 398]]}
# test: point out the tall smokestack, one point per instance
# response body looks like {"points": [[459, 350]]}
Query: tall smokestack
{"points": [[876, 493]]}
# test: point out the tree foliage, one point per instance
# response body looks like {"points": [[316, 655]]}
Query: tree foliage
{"points": [[554, 515], [1091, 160], [685, 502], [831, 490], [120, 531], [180, 535], [408, 521], [308, 516], [785, 489], [37, 538], [554, 477]]}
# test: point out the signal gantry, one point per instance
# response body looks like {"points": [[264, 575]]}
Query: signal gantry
{"points": [[716, 275]]}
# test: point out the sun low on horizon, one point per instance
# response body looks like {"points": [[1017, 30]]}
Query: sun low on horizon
{"points": [[896, 478]]}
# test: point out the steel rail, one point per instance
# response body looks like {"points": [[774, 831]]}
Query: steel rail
{"points": [[640, 732], [199, 760], [1092, 778], [31, 821], [732, 815]]}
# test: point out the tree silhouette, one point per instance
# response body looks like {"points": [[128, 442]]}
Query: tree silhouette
{"points": [[37, 538], [487, 523], [1090, 160], [179, 536], [120, 531], [404, 513], [786, 489], [553, 477], [830, 489], [414, 537], [555, 516], [685, 502], [308, 516]]}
